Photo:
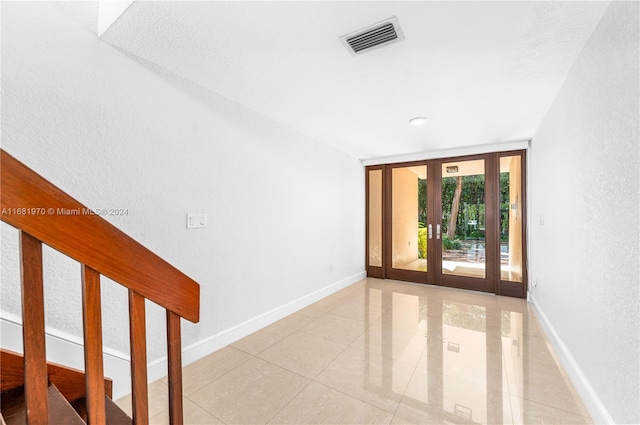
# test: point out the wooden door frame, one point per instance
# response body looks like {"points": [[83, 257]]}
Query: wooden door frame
{"points": [[390, 272], [374, 271], [506, 287], [492, 282], [488, 283]]}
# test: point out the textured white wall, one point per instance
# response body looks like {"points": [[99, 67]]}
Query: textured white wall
{"points": [[114, 133], [585, 182]]}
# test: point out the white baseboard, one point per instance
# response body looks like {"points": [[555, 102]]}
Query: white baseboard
{"points": [[202, 348], [67, 349], [592, 402]]}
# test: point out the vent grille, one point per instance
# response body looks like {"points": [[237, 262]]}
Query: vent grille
{"points": [[373, 38], [382, 33]]}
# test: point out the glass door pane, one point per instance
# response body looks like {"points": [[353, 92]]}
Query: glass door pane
{"points": [[463, 218], [375, 218], [511, 226], [456, 222], [409, 218]]}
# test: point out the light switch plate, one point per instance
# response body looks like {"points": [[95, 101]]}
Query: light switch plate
{"points": [[196, 220]]}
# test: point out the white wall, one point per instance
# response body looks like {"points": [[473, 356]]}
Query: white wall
{"points": [[585, 183], [113, 133]]}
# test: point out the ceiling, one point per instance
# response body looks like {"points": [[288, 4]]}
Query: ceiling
{"points": [[481, 72]]}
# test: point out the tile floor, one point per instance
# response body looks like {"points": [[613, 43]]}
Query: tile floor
{"points": [[384, 352]]}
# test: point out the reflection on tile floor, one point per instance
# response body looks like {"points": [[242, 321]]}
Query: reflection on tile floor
{"points": [[384, 352]]}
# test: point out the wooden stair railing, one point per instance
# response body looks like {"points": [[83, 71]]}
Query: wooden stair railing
{"points": [[45, 214]]}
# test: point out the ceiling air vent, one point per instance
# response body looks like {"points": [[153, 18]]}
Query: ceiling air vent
{"points": [[380, 34]]}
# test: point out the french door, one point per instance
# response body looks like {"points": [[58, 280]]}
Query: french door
{"points": [[456, 222]]}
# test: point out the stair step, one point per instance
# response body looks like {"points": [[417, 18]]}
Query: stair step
{"points": [[14, 409], [69, 381], [114, 414]]}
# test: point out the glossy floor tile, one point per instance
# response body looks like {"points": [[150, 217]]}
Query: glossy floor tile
{"points": [[319, 404], [304, 354], [252, 393], [206, 370], [384, 352]]}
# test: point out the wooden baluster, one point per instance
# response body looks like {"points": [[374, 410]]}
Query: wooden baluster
{"points": [[35, 356], [139, 396], [174, 354], [92, 321]]}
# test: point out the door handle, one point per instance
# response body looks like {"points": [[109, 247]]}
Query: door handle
{"points": [[430, 231], [437, 231]]}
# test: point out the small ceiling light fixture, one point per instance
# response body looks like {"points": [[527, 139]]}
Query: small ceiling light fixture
{"points": [[418, 121]]}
